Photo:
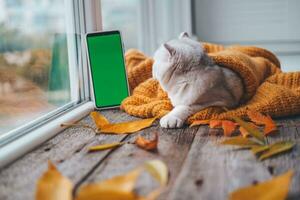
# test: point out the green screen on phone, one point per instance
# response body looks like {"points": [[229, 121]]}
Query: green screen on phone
{"points": [[107, 68]]}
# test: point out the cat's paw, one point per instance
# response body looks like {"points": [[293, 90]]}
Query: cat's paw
{"points": [[171, 121]]}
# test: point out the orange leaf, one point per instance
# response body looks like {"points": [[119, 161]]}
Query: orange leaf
{"points": [[270, 128], [261, 119], [127, 127], [147, 144], [215, 123], [200, 122], [228, 127], [244, 132], [274, 189]]}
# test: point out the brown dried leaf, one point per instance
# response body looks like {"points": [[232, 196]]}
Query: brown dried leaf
{"points": [[278, 147], [274, 189], [53, 186], [127, 127], [147, 144]]}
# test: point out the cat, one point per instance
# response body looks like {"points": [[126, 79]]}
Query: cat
{"points": [[192, 80]]}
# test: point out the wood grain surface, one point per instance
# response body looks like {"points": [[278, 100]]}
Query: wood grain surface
{"points": [[199, 167]]}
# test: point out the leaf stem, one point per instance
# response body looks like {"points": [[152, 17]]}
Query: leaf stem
{"points": [[80, 125]]}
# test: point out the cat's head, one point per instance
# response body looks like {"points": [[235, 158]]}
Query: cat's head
{"points": [[183, 54]]}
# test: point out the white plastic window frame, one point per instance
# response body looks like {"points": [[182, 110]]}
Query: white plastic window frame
{"points": [[24, 139]]}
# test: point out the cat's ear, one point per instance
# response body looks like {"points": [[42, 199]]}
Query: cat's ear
{"points": [[183, 35], [170, 49]]}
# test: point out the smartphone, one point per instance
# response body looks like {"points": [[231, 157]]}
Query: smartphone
{"points": [[107, 67]]}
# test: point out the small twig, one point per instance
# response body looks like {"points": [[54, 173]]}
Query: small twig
{"points": [[80, 125]]}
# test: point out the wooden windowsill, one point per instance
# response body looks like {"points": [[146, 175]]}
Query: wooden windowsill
{"points": [[199, 168]]}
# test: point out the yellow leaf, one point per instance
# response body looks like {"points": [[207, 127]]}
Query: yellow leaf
{"points": [[200, 122], [244, 132], [147, 144], [99, 119], [274, 189], [277, 148], [158, 170], [116, 188], [105, 146], [240, 141], [251, 130], [259, 149], [260, 119], [53, 186], [127, 127]]}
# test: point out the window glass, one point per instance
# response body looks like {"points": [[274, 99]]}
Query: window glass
{"points": [[34, 60], [124, 16]]}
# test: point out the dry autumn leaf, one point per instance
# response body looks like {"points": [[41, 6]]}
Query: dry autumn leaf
{"points": [[276, 148], [200, 122], [127, 127], [244, 132], [158, 170], [259, 149], [147, 144], [105, 146], [53, 186], [215, 123], [251, 130], [116, 188], [240, 141], [99, 119], [274, 189], [228, 127], [265, 120], [122, 187]]}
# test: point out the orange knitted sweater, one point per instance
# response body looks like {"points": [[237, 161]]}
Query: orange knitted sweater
{"points": [[267, 89]]}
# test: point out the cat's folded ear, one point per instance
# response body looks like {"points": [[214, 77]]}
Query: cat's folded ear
{"points": [[183, 35], [170, 49]]}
